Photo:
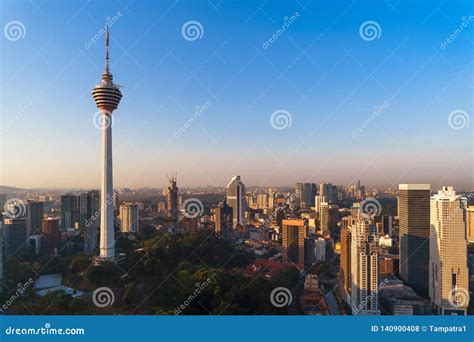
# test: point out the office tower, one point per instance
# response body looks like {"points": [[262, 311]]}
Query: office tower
{"points": [[69, 211], [324, 217], [364, 269], [172, 199], [387, 224], [448, 272], [308, 196], [89, 218], [236, 199], [333, 212], [48, 204], [223, 220], [128, 215], [317, 202], [414, 227], [470, 224], [14, 233], [345, 276], [107, 96], [262, 201], [50, 232], [312, 194], [294, 233], [299, 194], [89, 207], [34, 216], [328, 191]]}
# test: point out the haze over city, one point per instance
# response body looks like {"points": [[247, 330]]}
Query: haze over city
{"points": [[320, 71]]}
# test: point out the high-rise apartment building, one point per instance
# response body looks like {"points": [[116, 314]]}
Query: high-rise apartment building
{"points": [[414, 228], [448, 272], [236, 200], [89, 218], [128, 215], [364, 269], [293, 237]]}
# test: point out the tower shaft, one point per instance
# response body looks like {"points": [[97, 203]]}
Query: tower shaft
{"points": [[107, 243]]}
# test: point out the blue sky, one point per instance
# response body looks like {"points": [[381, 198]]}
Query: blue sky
{"points": [[319, 70]]}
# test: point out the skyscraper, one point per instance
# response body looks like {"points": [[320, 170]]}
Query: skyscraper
{"points": [[69, 211], [470, 224], [34, 216], [128, 215], [223, 220], [293, 237], [414, 227], [89, 218], [107, 97], [50, 232], [14, 233], [172, 199], [345, 277], [448, 272], [364, 269], [236, 199]]}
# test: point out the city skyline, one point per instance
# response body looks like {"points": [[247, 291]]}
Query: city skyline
{"points": [[367, 109]]}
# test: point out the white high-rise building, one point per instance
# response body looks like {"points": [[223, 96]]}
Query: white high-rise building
{"points": [[317, 202], [448, 272], [236, 200], [128, 215], [107, 97], [364, 269]]}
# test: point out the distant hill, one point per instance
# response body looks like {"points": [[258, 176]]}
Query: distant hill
{"points": [[9, 189]]}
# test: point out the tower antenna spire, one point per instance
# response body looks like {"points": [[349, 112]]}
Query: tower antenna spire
{"points": [[107, 49]]}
